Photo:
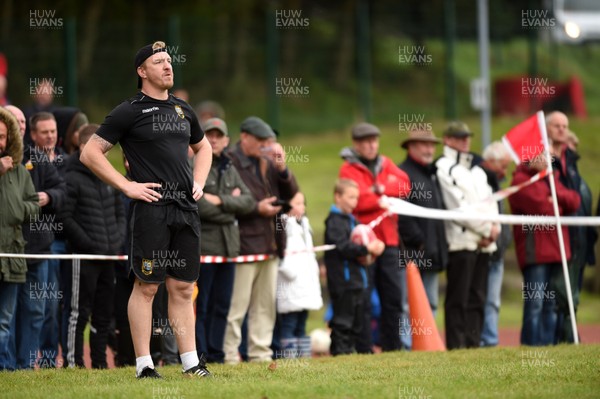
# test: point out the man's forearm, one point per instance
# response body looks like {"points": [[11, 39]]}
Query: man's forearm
{"points": [[202, 162]]}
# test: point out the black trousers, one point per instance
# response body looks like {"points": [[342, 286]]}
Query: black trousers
{"points": [[92, 294], [385, 275], [347, 321], [124, 286], [465, 298]]}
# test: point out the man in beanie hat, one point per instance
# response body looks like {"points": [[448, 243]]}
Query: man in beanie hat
{"points": [[19, 203], [155, 130], [376, 176], [424, 239]]}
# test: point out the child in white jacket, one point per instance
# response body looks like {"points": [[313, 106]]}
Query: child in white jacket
{"points": [[298, 286]]}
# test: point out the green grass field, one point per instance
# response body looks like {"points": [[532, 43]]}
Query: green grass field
{"points": [[556, 372]]}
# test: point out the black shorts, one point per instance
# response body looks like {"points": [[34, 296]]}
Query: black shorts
{"points": [[164, 241]]}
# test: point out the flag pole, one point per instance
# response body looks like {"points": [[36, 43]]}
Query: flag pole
{"points": [[561, 242]]}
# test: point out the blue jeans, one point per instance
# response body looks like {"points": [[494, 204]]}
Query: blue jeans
{"points": [[8, 305], [405, 339], [293, 324], [539, 305], [431, 284], [215, 287], [51, 326], [29, 315], [489, 334]]}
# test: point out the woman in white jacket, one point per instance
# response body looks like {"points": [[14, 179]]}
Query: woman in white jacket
{"points": [[298, 286]]}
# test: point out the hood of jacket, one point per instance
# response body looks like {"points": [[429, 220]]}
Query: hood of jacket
{"points": [[466, 159], [14, 143], [75, 165], [348, 154]]}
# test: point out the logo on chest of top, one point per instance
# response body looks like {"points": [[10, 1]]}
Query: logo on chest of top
{"points": [[179, 111]]}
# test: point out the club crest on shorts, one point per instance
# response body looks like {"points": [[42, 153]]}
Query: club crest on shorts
{"points": [[147, 265], [179, 111]]}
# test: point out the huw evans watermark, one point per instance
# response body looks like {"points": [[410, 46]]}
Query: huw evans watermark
{"points": [[413, 121], [414, 55], [291, 87], [537, 19], [291, 19], [44, 19]]}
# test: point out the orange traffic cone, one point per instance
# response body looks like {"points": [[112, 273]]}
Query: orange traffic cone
{"points": [[425, 335]]}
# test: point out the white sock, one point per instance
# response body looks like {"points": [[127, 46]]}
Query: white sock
{"points": [[189, 359], [142, 362]]}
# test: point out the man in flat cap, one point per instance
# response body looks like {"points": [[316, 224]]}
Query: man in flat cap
{"points": [[376, 175], [260, 162], [470, 243], [424, 240], [155, 130]]}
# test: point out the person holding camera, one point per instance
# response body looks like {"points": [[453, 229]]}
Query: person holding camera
{"points": [[261, 164]]}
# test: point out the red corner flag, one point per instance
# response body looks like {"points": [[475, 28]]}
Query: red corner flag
{"points": [[525, 141]]}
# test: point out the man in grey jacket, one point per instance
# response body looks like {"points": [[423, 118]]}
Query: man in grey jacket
{"points": [[225, 197]]}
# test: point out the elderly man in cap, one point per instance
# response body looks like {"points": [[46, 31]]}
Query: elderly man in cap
{"points": [[424, 240], [155, 130], [376, 176], [225, 197], [260, 162], [464, 185]]}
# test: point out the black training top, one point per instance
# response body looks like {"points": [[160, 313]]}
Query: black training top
{"points": [[155, 135]]}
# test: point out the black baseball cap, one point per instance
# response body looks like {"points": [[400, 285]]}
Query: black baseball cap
{"points": [[144, 53]]}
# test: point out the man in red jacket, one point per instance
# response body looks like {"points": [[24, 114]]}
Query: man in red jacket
{"points": [[537, 250], [376, 175]]}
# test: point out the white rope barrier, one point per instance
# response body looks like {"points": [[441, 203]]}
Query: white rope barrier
{"points": [[402, 207]]}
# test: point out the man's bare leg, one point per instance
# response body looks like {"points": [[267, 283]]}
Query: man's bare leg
{"points": [[181, 317], [181, 314], [139, 310]]}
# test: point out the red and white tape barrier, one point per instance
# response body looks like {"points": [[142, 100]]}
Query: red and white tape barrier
{"points": [[203, 258]]}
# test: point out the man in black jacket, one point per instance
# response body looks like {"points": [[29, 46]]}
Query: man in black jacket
{"points": [[94, 221], [424, 240], [39, 232], [582, 238]]}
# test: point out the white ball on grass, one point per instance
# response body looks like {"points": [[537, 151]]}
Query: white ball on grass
{"points": [[320, 341]]}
